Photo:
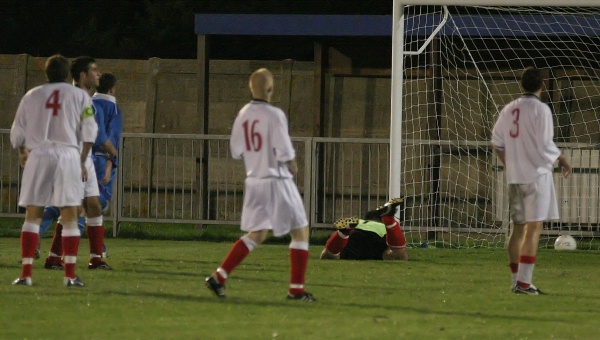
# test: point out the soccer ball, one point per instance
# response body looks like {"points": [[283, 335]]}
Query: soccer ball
{"points": [[565, 242]]}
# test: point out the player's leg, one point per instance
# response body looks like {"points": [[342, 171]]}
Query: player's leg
{"points": [[516, 195], [95, 223], [339, 238], [29, 240], [540, 204], [528, 254], [298, 263], [395, 239], [95, 231], [71, 239], [50, 215], [104, 189], [515, 242], [237, 254], [334, 245]]}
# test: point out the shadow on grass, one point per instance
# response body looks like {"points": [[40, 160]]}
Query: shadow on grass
{"points": [[323, 303]]}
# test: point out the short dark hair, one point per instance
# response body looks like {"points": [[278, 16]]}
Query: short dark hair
{"points": [[107, 82], [57, 68], [81, 64], [532, 80]]}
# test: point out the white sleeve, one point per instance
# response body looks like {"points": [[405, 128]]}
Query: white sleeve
{"points": [[497, 140], [89, 128], [236, 143], [284, 150], [17, 131], [546, 135]]}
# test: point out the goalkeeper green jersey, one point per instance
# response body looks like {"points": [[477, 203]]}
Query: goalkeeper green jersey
{"points": [[372, 226]]}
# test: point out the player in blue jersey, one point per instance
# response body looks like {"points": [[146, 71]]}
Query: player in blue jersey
{"points": [[376, 237], [113, 127]]}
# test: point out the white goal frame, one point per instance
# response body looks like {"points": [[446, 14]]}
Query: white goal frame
{"points": [[398, 65]]}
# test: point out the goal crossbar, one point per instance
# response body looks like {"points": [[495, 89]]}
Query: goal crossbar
{"points": [[569, 3]]}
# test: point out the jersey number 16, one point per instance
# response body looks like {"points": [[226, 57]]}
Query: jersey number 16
{"points": [[253, 138]]}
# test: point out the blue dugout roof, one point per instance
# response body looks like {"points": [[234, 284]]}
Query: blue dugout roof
{"points": [[381, 25]]}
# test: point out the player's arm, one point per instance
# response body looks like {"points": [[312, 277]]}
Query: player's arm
{"points": [[281, 141], [88, 133], [102, 139], [498, 141], [17, 131], [293, 167], [110, 149], [565, 167], [23, 155], [115, 129], [237, 142], [17, 134], [500, 153]]}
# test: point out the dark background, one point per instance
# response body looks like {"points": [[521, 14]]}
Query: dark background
{"points": [[165, 29]]}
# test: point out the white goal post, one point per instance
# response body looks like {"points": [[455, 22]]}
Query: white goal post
{"points": [[456, 78]]}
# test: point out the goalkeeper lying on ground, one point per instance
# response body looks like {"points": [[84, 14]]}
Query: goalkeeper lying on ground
{"points": [[377, 237]]}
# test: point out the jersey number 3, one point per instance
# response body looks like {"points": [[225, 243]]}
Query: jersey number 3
{"points": [[253, 138], [514, 130], [52, 102]]}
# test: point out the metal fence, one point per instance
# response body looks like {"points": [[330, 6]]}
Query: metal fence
{"points": [[448, 187]]}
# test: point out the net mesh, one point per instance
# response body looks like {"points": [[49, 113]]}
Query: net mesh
{"points": [[461, 65]]}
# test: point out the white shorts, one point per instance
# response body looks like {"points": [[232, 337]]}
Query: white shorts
{"points": [[272, 204], [534, 201], [90, 187], [52, 177]]}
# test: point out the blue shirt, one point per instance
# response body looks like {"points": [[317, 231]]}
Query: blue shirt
{"points": [[110, 120]]}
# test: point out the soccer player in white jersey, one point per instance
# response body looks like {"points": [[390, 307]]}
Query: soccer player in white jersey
{"points": [[522, 139], [271, 200], [51, 123], [85, 74]]}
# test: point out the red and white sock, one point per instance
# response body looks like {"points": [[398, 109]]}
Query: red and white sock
{"points": [[95, 231], [56, 250], [298, 263], [525, 274], [394, 235], [236, 255], [71, 237], [336, 242], [29, 241]]}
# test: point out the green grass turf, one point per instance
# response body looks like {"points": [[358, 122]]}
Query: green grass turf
{"points": [[157, 292]]}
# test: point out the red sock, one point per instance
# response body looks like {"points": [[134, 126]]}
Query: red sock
{"points": [[236, 255], [96, 239], [514, 267], [394, 235], [29, 243], [56, 247], [336, 243], [298, 262], [526, 264], [71, 246]]}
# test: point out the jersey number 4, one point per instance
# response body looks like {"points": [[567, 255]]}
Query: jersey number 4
{"points": [[53, 103], [514, 130], [253, 138]]}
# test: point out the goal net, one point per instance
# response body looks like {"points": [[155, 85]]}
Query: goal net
{"points": [[460, 65]]}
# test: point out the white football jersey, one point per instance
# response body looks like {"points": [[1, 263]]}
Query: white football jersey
{"points": [[260, 137], [54, 114], [524, 130]]}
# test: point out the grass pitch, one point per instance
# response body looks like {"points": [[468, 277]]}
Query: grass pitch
{"points": [[157, 292]]}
